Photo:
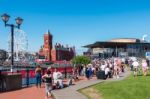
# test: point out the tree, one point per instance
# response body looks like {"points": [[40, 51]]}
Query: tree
{"points": [[79, 60]]}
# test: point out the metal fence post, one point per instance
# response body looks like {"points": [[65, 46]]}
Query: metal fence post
{"points": [[27, 77], [65, 72], [1, 85]]}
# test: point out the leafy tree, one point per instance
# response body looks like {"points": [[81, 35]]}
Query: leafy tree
{"points": [[79, 60]]}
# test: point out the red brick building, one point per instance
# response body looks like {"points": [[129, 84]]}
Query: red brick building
{"points": [[56, 53]]}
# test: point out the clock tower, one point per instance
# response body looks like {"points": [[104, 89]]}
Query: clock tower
{"points": [[48, 45]]}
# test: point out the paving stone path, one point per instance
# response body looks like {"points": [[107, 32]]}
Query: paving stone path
{"points": [[25, 93], [72, 91]]}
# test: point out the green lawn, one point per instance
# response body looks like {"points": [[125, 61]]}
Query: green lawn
{"points": [[129, 88]]}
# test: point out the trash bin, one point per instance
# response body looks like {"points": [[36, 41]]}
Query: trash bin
{"points": [[13, 81], [2, 83], [101, 75]]}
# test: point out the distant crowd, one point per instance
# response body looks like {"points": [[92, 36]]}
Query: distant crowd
{"points": [[113, 67], [104, 68]]}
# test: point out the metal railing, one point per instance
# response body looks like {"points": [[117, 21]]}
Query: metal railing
{"points": [[28, 74]]}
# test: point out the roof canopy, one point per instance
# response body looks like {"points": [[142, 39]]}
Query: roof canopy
{"points": [[114, 44]]}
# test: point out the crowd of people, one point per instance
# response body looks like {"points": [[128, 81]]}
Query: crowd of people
{"points": [[107, 68], [113, 67]]}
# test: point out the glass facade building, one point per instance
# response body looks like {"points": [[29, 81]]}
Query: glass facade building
{"points": [[122, 47]]}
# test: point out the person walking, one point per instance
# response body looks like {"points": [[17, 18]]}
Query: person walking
{"points": [[38, 76], [116, 70], [107, 72], [48, 83], [87, 73], [144, 67], [135, 66]]}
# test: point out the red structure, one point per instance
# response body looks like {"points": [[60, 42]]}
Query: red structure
{"points": [[56, 53]]}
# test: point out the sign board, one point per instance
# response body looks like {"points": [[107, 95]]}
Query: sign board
{"points": [[98, 50]]}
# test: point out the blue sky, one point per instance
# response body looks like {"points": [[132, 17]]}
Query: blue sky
{"points": [[77, 22]]}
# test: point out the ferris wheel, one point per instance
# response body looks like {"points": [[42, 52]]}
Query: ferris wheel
{"points": [[20, 44]]}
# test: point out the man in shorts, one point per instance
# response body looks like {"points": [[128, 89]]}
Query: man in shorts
{"points": [[135, 67]]}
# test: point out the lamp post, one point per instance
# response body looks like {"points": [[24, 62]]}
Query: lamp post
{"points": [[5, 18]]}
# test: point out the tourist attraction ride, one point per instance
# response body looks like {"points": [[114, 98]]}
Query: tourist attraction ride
{"points": [[20, 45]]}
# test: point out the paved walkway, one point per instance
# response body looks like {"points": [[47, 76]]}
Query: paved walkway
{"points": [[25, 93], [72, 91], [66, 93]]}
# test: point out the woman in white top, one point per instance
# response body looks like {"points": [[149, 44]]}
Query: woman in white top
{"points": [[107, 71], [144, 67], [103, 66]]}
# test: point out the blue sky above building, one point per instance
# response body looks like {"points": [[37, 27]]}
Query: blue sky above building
{"points": [[77, 22]]}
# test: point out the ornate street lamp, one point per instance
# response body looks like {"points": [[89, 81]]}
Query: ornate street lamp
{"points": [[19, 21], [5, 18]]}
